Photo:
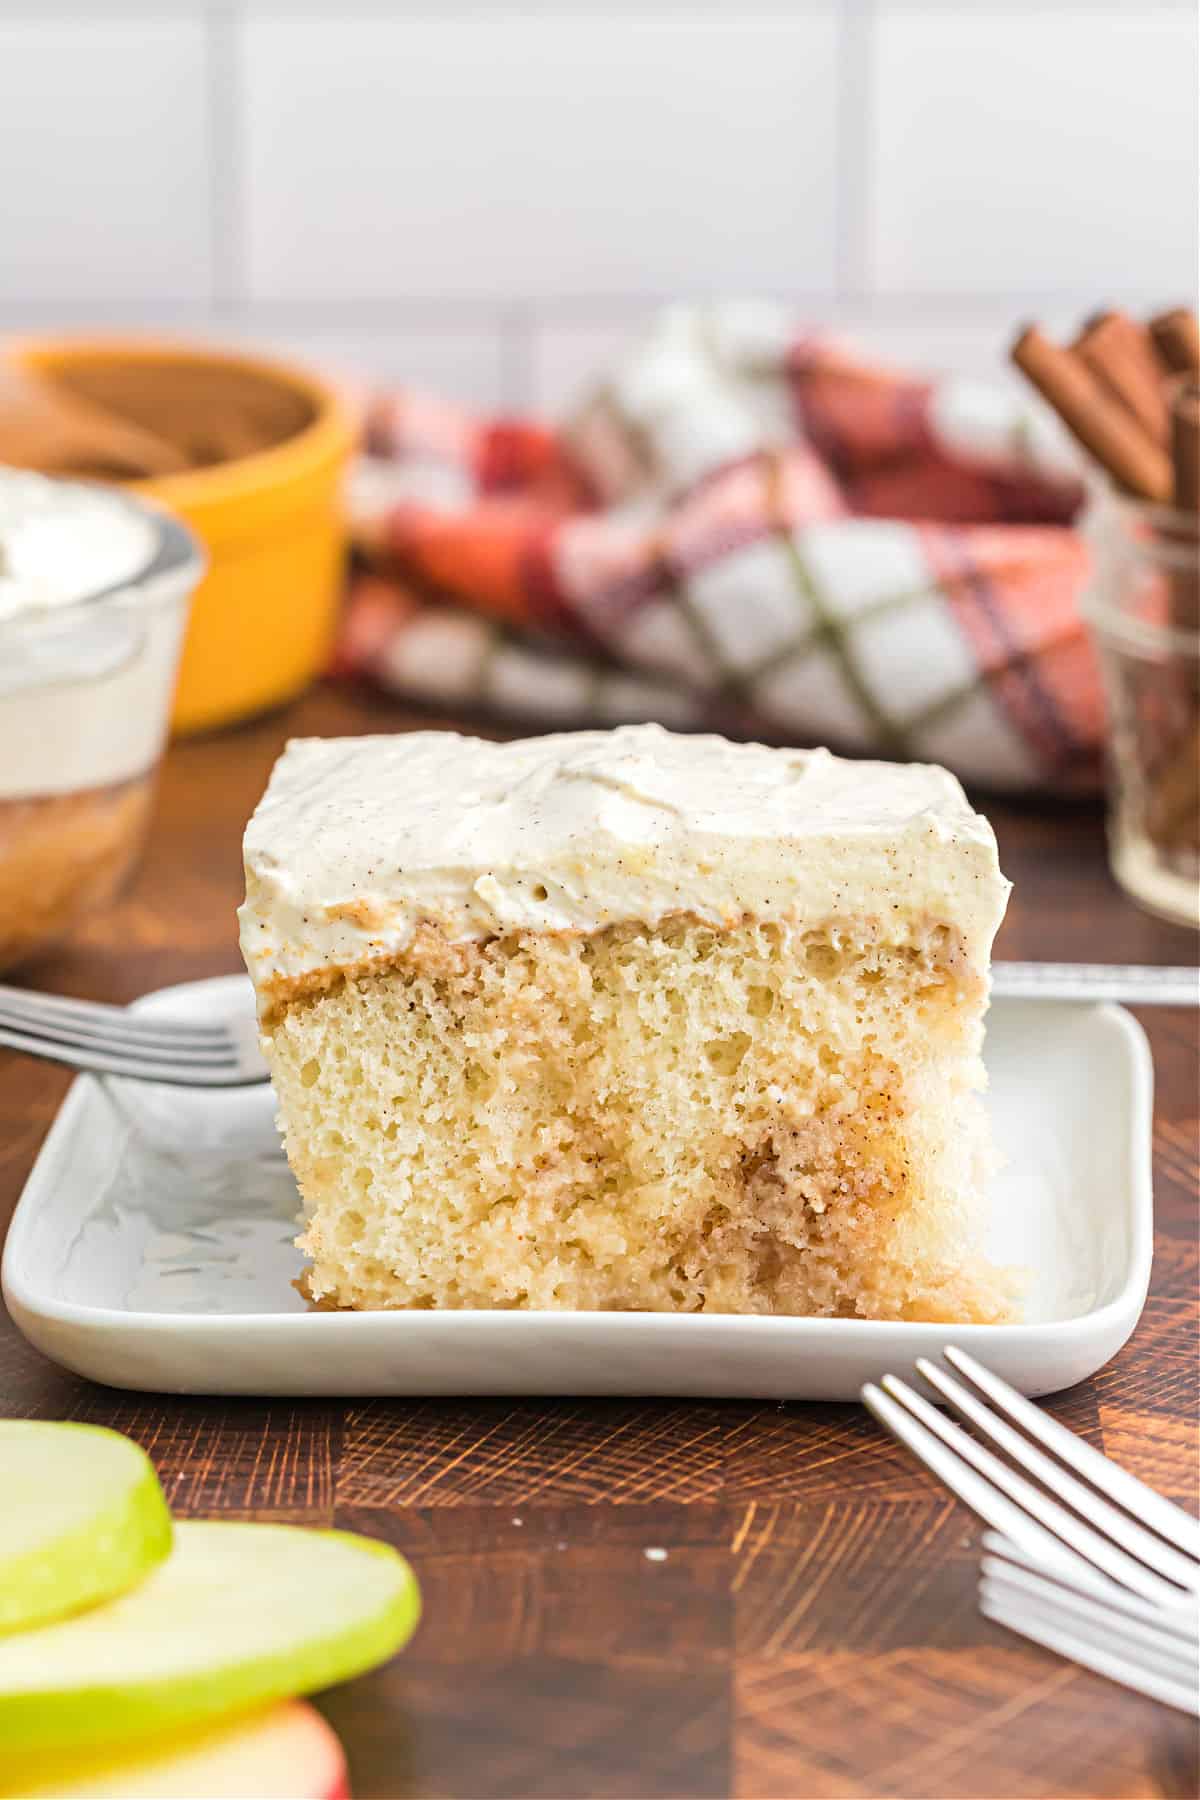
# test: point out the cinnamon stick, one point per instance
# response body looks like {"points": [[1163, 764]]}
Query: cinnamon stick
{"points": [[1173, 809], [1185, 446], [1176, 337], [1185, 460], [1120, 354], [1104, 428], [1110, 390]]}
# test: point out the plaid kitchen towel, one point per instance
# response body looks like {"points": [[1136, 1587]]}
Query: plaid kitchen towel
{"points": [[747, 528]]}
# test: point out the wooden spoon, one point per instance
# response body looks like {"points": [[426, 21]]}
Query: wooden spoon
{"points": [[43, 428]]}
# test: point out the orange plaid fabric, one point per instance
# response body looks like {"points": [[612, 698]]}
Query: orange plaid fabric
{"points": [[748, 527]]}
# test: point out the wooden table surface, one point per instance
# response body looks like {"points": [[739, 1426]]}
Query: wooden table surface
{"points": [[811, 1629]]}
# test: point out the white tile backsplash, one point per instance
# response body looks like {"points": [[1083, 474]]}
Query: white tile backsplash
{"points": [[488, 197], [517, 157], [1018, 149], [104, 184]]}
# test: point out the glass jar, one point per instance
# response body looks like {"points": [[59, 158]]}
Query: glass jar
{"points": [[1143, 603], [85, 690]]}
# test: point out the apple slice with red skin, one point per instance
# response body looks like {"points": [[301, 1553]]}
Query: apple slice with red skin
{"points": [[287, 1752]]}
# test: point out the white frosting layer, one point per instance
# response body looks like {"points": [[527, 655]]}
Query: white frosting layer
{"points": [[357, 841], [61, 541]]}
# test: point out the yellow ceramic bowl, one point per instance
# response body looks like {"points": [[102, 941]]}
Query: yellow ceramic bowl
{"points": [[272, 522]]}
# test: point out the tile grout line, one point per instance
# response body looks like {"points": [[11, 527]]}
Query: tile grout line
{"points": [[401, 312]]}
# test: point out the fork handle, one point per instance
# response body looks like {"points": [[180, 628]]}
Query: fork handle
{"points": [[1124, 982]]}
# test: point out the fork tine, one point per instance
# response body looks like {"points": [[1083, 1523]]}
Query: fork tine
{"points": [[1162, 1516], [171, 1071], [1162, 1633], [1134, 1659], [129, 1041], [1093, 1508], [100, 1011], [1183, 1620], [1055, 1518], [1055, 1634], [999, 1512], [115, 1026]]}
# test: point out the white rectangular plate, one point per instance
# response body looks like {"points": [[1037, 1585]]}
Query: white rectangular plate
{"points": [[152, 1248]]}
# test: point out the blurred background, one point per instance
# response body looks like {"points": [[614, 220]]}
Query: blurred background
{"points": [[349, 291], [487, 199]]}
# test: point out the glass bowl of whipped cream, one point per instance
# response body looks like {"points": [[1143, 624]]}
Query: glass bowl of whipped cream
{"points": [[94, 594]]}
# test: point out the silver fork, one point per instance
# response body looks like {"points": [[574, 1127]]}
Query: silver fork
{"points": [[1084, 1558], [109, 1040]]}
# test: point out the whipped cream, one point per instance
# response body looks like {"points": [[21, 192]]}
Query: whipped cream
{"points": [[61, 541], [358, 841], [88, 648]]}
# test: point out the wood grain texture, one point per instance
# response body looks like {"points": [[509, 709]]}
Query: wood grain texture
{"points": [[997, 1722], [811, 1628]]}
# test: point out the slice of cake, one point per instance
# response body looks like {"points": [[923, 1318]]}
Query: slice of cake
{"points": [[628, 1020]]}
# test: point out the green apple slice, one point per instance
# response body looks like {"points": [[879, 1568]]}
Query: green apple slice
{"points": [[287, 1752], [238, 1614], [82, 1518]]}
